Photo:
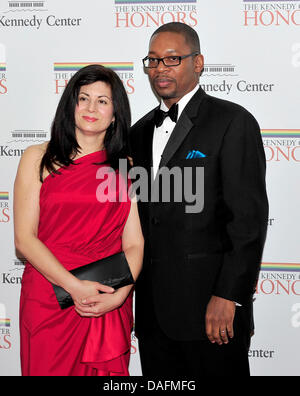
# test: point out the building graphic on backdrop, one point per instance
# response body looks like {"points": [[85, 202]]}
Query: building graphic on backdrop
{"points": [[219, 70], [271, 13], [26, 6], [138, 14], [63, 71]]}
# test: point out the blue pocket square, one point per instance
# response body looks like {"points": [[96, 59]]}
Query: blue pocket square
{"points": [[195, 154]]}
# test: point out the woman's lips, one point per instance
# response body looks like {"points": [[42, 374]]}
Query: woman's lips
{"points": [[90, 119]]}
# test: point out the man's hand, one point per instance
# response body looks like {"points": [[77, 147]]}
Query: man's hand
{"points": [[219, 320]]}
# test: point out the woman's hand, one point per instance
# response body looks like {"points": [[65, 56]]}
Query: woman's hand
{"points": [[83, 289], [98, 305]]}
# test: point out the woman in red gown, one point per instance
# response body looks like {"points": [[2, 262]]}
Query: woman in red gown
{"points": [[61, 224]]}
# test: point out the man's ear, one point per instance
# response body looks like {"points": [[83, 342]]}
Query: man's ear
{"points": [[199, 63]]}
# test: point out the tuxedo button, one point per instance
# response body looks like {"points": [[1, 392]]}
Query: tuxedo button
{"points": [[155, 221]]}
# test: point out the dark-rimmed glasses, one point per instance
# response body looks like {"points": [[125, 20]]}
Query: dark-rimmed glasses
{"points": [[169, 61]]}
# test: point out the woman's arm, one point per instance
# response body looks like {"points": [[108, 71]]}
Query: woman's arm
{"points": [[26, 219], [133, 247], [133, 241]]}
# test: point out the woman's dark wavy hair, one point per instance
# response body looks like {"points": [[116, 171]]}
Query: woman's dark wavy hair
{"points": [[63, 146]]}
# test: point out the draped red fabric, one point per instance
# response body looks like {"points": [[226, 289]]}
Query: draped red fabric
{"points": [[78, 229]]}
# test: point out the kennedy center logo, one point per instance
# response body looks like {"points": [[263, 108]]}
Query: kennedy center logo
{"points": [[224, 79], [63, 71], [279, 279], [13, 276], [34, 15], [266, 13], [3, 82], [5, 325], [281, 145], [137, 14], [19, 139], [5, 336], [4, 207]]}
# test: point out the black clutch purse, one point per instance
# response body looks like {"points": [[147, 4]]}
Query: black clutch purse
{"points": [[111, 271]]}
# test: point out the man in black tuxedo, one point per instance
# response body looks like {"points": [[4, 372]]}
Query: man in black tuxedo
{"points": [[195, 293]]}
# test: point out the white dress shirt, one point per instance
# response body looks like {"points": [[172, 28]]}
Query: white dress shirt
{"points": [[162, 134]]}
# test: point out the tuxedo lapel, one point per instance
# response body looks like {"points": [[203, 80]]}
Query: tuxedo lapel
{"points": [[148, 143], [179, 133], [183, 127]]}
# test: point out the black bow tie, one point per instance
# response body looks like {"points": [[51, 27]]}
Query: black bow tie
{"points": [[160, 115]]}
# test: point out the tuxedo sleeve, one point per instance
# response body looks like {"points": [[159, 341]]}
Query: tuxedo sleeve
{"points": [[243, 166]]}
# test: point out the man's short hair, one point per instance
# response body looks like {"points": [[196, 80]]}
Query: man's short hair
{"points": [[190, 35]]}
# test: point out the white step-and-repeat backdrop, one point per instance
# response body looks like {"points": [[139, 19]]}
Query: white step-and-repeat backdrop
{"points": [[252, 57]]}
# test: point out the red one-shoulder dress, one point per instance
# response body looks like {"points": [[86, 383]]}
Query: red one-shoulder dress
{"points": [[78, 229]]}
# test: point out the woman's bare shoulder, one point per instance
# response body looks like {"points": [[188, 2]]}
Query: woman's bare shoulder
{"points": [[36, 150], [31, 159]]}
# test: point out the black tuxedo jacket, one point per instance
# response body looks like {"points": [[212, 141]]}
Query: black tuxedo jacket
{"points": [[191, 256]]}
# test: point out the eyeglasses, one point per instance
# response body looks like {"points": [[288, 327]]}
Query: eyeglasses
{"points": [[169, 61]]}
